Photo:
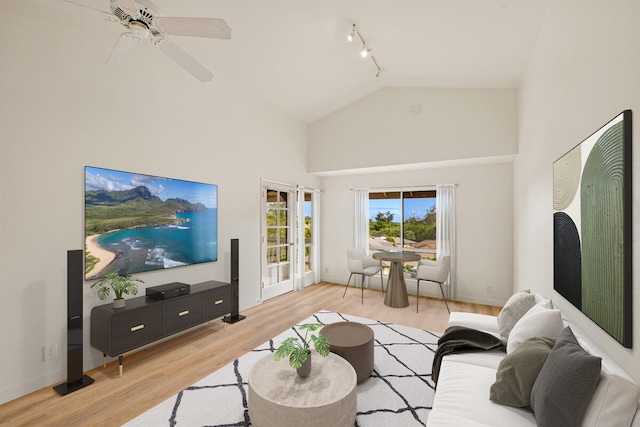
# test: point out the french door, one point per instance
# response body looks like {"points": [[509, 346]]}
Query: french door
{"points": [[278, 234]]}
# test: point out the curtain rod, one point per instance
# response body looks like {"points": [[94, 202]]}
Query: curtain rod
{"points": [[412, 188]]}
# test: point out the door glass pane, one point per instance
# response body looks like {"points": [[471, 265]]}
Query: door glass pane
{"points": [[272, 236], [283, 234], [272, 254], [284, 253]]}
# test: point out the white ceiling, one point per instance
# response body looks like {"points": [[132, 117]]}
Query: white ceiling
{"points": [[295, 55]]}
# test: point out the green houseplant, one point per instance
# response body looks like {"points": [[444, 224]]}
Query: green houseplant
{"points": [[299, 353], [120, 284]]}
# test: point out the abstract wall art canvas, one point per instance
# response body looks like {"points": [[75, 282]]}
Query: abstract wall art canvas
{"points": [[136, 222], [592, 227]]}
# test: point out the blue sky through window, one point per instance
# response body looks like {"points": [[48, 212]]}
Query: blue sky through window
{"points": [[413, 207]]}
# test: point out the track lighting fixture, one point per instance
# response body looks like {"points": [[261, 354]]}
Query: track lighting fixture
{"points": [[365, 51]]}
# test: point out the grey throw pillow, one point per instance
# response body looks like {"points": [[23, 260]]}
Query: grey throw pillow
{"points": [[513, 310], [518, 372], [566, 383]]}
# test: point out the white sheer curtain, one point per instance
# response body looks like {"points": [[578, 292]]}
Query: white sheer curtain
{"points": [[299, 279], [446, 230], [361, 218], [315, 237]]}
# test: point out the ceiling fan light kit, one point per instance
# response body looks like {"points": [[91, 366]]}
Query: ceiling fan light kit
{"points": [[365, 51], [142, 21]]}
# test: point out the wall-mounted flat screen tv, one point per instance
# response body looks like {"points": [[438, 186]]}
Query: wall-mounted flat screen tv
{"points": [[135, 222]]}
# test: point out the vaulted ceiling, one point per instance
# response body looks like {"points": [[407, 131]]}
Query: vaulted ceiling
{"points": [[295, 55]]}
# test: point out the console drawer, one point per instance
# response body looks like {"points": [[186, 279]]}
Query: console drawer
{"points": [[181, 313], [134, 328], [216, 303]]}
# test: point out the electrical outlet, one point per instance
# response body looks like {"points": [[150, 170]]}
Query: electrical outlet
{"points": [[489, 290], [49, 352], [326, 270]]}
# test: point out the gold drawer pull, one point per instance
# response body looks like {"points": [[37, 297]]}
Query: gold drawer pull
{"points": [[183, 313], [220, 301], [137, 328]]}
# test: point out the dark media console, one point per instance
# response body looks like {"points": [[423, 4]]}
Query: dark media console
{"points": [[116, 331]]}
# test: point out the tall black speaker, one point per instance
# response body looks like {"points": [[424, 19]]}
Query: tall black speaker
{"points": [[235, 288], [75, 375]]}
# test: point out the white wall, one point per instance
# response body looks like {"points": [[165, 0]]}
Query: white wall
{"points": [[381, 130], [453, 124], [585, 70], [62, 109], [483, 218]]}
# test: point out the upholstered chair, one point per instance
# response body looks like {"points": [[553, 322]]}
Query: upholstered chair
{"points": [[434, 271], [362, 264]]}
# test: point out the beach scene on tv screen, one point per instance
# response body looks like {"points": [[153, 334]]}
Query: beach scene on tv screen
{"points": [[136, 222]]}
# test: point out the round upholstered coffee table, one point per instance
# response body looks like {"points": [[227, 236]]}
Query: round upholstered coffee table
{"points": [[354, 342], [278, 397]]}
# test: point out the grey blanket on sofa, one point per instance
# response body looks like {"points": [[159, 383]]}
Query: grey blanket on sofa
{"points": [[457, 339]]}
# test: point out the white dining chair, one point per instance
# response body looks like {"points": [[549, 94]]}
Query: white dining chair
{"points": [[362, 264], [434, 271]]}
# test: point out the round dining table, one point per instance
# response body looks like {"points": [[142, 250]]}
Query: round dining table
{"points": [[396, 295]]}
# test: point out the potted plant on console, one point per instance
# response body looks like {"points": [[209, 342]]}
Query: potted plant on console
{"points": [[299, 353], [120, 284]]}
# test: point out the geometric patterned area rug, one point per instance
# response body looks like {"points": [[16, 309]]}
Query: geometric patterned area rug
{"points": [[398, 393]]}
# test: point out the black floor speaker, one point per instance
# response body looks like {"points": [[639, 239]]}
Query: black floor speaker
{"points": [[235, 289], [75, 375]]}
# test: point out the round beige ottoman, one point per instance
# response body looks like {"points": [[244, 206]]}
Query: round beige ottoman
{"points": [[354, 342], [278, 397]]}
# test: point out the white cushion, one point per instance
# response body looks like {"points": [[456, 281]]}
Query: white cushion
{"points": [[537, 322], [463, 394], [438, 418], [486, 358]]}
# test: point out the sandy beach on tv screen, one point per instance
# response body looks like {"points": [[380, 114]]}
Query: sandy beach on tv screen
{"points": [[97, 251]]}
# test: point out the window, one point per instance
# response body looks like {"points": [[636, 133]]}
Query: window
{"points": [[403, 220]]}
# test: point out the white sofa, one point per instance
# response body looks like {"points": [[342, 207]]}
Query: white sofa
{"points": [[465, 379]]}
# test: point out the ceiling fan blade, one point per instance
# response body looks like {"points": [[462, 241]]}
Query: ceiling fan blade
{"points": [[183, 59], [123, 50], [69, 5], [215, 28], [129, 7]]}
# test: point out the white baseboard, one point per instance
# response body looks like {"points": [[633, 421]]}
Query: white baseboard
{"points": [[19, 390]]}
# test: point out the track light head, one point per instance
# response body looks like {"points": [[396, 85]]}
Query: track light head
{"points": [[364, 52], [352, 34]]}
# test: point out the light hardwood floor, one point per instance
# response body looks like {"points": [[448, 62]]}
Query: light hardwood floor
{"points": [[158, 372]]}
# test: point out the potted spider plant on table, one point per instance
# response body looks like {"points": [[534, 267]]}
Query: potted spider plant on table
{"points": [[299, 353], [120, 284]]}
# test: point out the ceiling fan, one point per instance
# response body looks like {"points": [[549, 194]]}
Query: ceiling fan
{"points": [[142, 21]]}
